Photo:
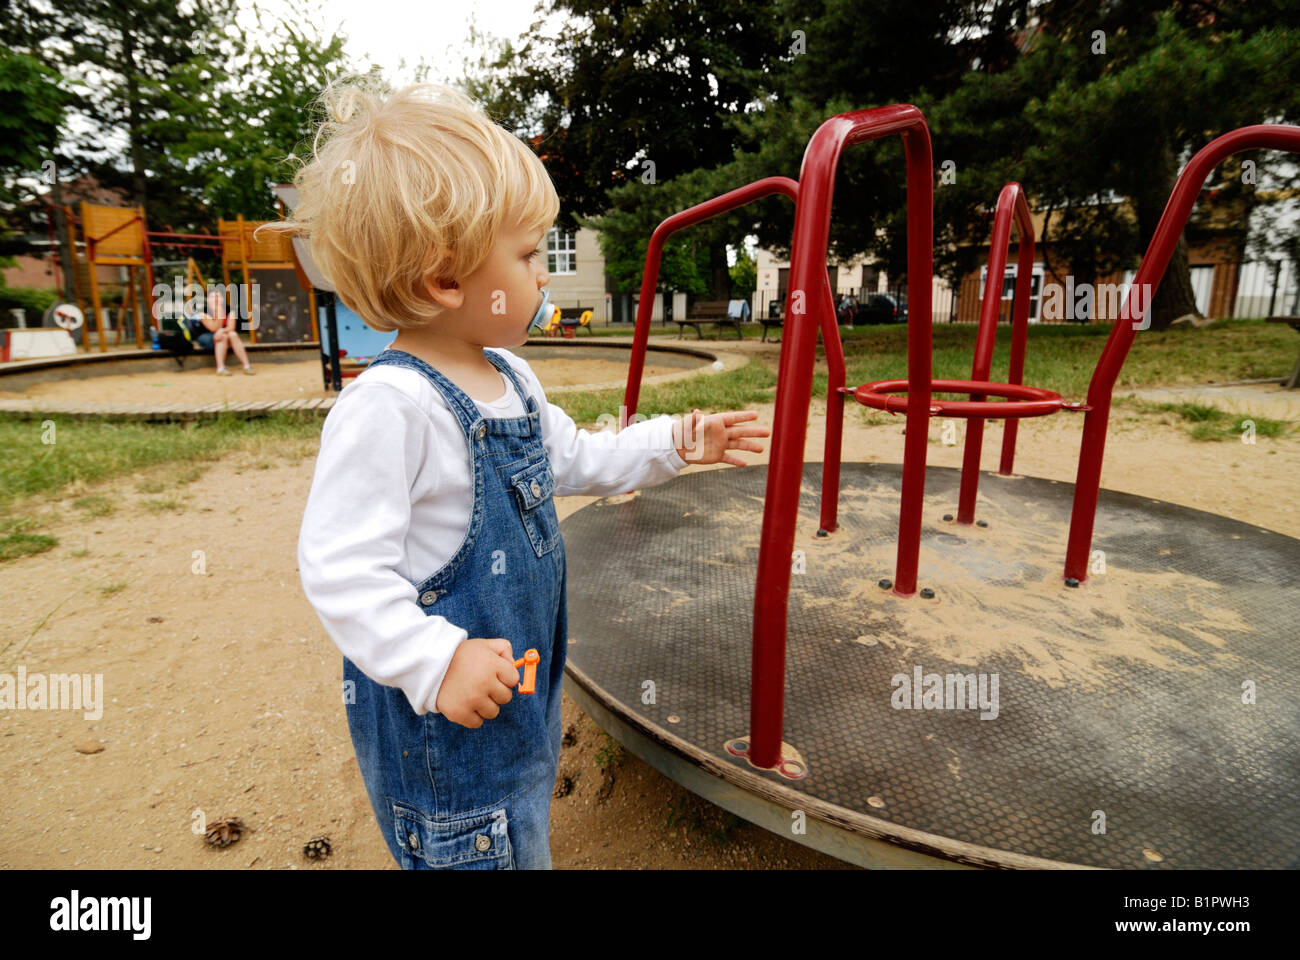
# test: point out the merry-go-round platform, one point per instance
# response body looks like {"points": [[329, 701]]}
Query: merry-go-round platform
{"points": [[1146, 718]]}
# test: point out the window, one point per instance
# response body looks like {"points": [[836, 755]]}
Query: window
{"points": [[1009, 290], [561, 252]]}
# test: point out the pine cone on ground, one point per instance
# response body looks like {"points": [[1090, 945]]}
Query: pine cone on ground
{"points": [[317, 849], [224, 832]]}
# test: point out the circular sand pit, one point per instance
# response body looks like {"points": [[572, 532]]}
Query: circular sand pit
{"points": [[142, 381]]}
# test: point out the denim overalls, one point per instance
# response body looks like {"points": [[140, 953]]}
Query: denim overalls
{"points": [[447, 796]]}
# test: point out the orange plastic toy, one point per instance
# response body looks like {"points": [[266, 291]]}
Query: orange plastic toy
{"points": [[529, 663]]}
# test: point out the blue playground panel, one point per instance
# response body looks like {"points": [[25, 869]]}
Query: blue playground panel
{"points": [[359, 342]]}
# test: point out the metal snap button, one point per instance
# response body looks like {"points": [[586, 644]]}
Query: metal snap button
{"points": [[413, 841], [482, 842], [482, 429], [428, 597], [536, 488]]}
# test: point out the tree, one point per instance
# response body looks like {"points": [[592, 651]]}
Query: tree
{"points": [[632, 95], [32, 110], [247, 120], [744, 274], [31, 114], [1097, 115], [210, 112], [128, 54]]}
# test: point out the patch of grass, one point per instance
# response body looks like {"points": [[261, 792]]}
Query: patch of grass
{"points": [[1209, 423], [1205, 430], [1196, 412], [90, 451], [16, 545], [83, 551], [1061, 357], [95, 505], [714, 824], [1264, 426], [152, 485], [158, 506], [111, 588], [610, 754], [733, 390]]}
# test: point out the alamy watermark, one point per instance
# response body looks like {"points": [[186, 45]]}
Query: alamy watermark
{"points": [[1084, 301], [192, 299], [58, 691], [608, 422], [77, 913], [952, 691]]}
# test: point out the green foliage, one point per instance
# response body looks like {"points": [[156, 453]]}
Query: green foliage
{"points": [[96, 505], [245, 128], [744, 274], [629, 105], [1081, 128], [127, 55], [16, 545], [31, 299], [91, 451], [209, 109], [610, 754], [1212, 423], [32, 103], [636, 210]]}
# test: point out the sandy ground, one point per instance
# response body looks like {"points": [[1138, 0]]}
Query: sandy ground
{"points": [[222, 693], [1253, 399], [556, 367]]}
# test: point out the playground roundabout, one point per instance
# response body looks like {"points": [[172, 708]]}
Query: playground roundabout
{"points": [[147, 385], [1006, 721]]}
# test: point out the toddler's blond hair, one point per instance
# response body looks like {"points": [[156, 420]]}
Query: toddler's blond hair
{"points": [[408, 185]]}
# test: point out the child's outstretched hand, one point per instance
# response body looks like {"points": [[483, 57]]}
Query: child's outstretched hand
{"points": [[482, 675], [706, 438]]}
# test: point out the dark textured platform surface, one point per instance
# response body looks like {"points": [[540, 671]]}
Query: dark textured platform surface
{"points": [[1122, 699]]}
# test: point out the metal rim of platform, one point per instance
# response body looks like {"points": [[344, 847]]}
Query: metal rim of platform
{"points": [[874, 844]]}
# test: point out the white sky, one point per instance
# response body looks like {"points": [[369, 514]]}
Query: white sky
{"points": [[385, 32]]}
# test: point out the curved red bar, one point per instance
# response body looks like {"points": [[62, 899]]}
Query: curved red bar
{"points": [[654, 254], [1011, 203], [806, 298], [1022, 401], [1151, 271]]}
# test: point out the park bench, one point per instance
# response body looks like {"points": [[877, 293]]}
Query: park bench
{"points": [[708, 311], [775, 317]]}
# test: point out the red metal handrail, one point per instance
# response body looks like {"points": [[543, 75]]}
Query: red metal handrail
{"points": [[806, 297], [1011, 204], [1133, 317], [654, 254]]}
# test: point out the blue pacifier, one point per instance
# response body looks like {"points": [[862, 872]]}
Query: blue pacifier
{"points": [[543, 314]]}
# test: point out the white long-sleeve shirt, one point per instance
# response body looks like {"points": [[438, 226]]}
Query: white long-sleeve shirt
{"points": [[390, 504]]}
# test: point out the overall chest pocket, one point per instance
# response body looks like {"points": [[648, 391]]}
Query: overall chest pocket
{"points": [[533, 485]]}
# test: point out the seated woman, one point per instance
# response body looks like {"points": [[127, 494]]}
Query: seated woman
{"points": [[218, 333]]}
